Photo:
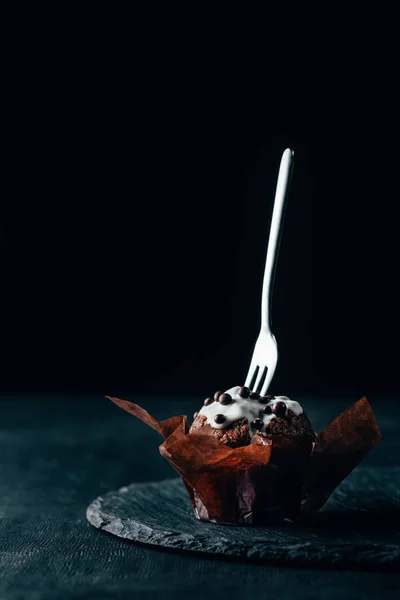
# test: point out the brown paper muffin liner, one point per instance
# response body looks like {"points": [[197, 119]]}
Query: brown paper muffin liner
{"points": [[286, 477]]}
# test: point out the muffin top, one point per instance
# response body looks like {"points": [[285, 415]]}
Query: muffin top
{"points": [[239, 403], [239, 417]]}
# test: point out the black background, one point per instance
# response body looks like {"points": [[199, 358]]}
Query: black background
{"points": [[138, 196]]}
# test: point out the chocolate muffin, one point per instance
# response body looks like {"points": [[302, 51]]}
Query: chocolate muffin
{"points": [[265, 465]]}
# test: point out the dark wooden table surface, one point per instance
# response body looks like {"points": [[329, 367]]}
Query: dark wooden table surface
{"points": [[57, 454]]}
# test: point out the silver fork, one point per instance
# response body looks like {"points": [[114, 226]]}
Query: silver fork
{"points": [[265, 354]]}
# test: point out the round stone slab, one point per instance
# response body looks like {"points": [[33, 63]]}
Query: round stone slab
{"points": [[357, 528]]}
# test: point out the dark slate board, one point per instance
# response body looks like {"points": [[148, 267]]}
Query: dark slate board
{"points": [[357, 529]]}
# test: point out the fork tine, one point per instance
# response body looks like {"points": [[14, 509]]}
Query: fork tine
{"points": [[267, 382], [251, 374], [261, 372]]}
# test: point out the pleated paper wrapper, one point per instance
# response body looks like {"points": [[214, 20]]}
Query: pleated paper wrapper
{"points": [[285, 479]]}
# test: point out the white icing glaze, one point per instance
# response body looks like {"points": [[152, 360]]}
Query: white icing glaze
{"points": [[244, 407]]}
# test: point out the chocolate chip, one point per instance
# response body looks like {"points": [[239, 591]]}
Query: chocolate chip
{"points": [[279, 409], [244, 392], [254, 396], [225, 399], [267, 410], [219, 419], [195, 415], [208, 401], [257, 424], [217, 395]]}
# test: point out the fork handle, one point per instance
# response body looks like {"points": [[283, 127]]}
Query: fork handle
{"points": [[282, 188]]}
